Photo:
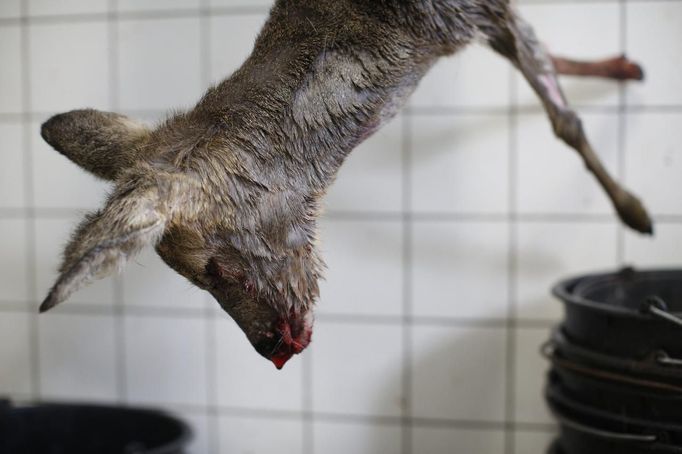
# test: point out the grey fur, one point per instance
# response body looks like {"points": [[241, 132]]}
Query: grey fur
{"points": [[229, 192]]}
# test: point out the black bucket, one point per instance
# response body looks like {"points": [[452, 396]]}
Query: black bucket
{"points": [[638, 402], [629, 314], [654, 372], [555, 448], [616, 379], [583, 438], [581, 411], [89, 429]]}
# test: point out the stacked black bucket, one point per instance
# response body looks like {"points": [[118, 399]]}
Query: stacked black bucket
{"points": [[89, 429], [615, 385]]}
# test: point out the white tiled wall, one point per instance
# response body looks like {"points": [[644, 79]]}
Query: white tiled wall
{"points": [[443, 233]]}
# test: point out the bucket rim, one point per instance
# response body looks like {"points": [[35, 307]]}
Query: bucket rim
{"points": [[178, 444], [564, 290]]}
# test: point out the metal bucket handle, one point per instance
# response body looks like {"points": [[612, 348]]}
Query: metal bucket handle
{"points": [[616, 436], [548, 351], [656, 306]]}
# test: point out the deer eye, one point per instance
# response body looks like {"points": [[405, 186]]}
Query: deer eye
{"points": [[213, 269]]}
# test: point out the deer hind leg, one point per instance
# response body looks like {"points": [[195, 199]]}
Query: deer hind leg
{"points": [[617, 68], [518, 43]]}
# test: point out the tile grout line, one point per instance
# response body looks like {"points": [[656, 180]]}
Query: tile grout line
{"points": [[162, 14], [66, 213], [453, 110], [446, 111], [225, 11], [371, 420], [211, 324], [85, 309], [407, 238], [621, 144], [511, 353], [31, 237], [119, 281], [308, 422]]}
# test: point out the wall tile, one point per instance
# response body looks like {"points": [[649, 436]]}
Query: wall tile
{"points": [[474, 77], [232, 40], [458, 373], [653, 38], [356, 369], [149, 76], [460, 269], [15, 354], [259, 435], [654, 160], [343, 438], [548, 252], [241, 3], [165, 361], [51, 7], [370, 179], [14, 279], [533, 441], [10, 8], [151, 5], [12, 170], [77, 357], [447, 441], [69, 66], [460, 163], [657, 251], [364, 268], [11, 82], [247, 380]]}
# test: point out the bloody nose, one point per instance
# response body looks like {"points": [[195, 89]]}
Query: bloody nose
{"points": [[280, 359]]}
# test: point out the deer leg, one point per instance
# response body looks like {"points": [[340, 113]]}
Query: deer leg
{"points": [[518, 43], [618, 68], [568, 127]]}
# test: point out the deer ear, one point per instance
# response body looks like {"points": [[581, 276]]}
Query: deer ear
{"points": [[103, 143], [105, 239]]}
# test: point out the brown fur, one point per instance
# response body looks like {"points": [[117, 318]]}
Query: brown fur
{"points": [[229, 191]]}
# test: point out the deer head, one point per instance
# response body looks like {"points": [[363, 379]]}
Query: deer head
{"points": [[251, 248]]}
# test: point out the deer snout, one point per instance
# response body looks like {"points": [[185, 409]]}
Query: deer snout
{"points": [[289, 337]]}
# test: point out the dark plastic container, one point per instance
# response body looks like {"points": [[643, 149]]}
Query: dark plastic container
{"points": [[616, 379], [580, 434], [555, 448], [631, 401], [624, 314], [668, 430], [89, 429], [651, 372]]}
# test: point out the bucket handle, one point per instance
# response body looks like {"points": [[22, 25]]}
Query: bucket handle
{"points": [[666, 360], [656, 306], [548, 351], [604, 433]]}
